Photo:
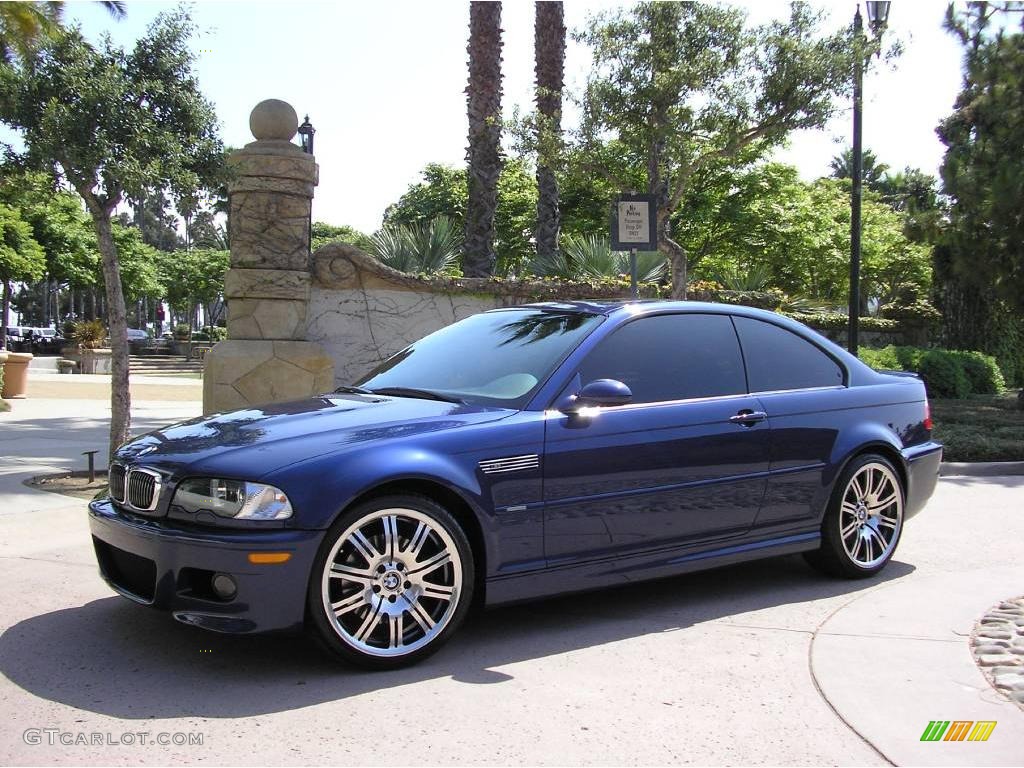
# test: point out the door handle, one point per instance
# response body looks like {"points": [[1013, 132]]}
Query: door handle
{"points": [[748, 418]]}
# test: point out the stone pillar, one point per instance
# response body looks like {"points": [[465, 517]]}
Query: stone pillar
{"points": [[266, 357]]}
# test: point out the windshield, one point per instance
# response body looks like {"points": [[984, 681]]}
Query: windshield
{"points": [[494, 358]]}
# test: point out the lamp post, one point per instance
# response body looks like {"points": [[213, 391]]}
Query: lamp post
{"points": [[878, 15], [306, 132]]}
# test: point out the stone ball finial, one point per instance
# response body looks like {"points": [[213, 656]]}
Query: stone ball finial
{"points": [[273, 119]]}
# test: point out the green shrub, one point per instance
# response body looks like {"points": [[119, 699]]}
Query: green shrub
{"points": [[944, 375], [909, 357], [182, 331], [883, 359], [90, 334], [982, 372]]}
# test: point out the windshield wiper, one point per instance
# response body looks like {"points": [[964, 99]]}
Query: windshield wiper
{"points": [[353, 391], [424, 394]]}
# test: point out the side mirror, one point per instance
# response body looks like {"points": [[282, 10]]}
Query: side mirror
{"points": [[600, 392]]}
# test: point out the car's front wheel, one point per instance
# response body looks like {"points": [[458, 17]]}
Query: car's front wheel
{"points": [[864, 519], [393, 580]]}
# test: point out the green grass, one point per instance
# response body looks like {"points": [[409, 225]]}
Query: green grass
{"points": [[980, 428]]}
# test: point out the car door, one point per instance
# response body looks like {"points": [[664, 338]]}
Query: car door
{"points": [[796, 381], [685, 460]]}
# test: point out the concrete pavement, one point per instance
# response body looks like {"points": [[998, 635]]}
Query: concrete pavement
{"points": [[765, 663]]}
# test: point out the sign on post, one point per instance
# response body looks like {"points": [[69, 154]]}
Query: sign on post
{"points": [[634, 228], [635, 223]]}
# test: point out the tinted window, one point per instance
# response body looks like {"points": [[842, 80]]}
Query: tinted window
{"points": [[779, 359], [496, 358], [671, 357]]}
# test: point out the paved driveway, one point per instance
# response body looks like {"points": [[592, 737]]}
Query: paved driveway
{"points": [[760, 663]]}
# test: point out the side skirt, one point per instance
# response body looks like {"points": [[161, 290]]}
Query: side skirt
{"points": [[582, 577]]}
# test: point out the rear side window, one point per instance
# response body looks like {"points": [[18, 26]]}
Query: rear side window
{"points": [[671, 357], [780, 359]]}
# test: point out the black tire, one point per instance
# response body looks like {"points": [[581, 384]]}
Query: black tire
{"points": [[388, 600], [858, 539]]}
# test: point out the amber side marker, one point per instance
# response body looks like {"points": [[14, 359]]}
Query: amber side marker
{"points": [[269, 558]]}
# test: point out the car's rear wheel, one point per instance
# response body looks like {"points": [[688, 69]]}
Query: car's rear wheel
{"points": [[864, 519], [392, 582]]}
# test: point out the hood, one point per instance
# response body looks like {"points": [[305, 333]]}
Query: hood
{"points": [[252, 442]]}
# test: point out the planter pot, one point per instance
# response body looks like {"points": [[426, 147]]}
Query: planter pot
{"points": [[16, 374], [90, 360], [181, 348]]}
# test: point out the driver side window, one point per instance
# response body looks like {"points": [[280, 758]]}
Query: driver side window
{"points": [[671, 357]]}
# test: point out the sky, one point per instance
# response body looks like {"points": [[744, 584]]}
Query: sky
{"points": [[383, 83]]}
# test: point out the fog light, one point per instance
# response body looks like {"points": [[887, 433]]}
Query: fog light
{"points": [[224, 586]]}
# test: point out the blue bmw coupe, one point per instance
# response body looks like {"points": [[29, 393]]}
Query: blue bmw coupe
{"points": [[520, 453]]}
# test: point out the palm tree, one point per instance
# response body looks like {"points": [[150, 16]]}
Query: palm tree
{"points": [[872, 171], [24, 24], [549, 67], [483, 100]]}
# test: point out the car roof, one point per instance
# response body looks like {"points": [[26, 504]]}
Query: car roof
{"points": [[609, 307]]}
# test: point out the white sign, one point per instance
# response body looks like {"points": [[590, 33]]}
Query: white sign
{"points": [[634, 221]]}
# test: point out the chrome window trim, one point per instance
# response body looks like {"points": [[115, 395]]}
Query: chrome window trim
{"points": [[683, 401]]}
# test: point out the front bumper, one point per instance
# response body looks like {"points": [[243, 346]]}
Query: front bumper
{"points": [[922, 463], [171, 569]]}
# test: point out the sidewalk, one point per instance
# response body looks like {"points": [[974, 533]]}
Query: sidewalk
{"points": [[84, 386]]}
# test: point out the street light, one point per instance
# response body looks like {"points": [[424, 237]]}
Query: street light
{"points": [[878, 16], [306, 131]]}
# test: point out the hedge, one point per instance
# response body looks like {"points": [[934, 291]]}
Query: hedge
{"points": [[946, 373]]}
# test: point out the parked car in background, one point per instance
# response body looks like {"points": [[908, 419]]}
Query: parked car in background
{"points": [[520, 453], [15, 339], [38, 341], [46, 341], [136, 334]]}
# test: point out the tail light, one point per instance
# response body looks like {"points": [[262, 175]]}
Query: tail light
{"points": [[927, 416]]}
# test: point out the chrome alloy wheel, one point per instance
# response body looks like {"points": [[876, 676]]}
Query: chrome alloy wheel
{"points": [[392, 582], [871, 515]]}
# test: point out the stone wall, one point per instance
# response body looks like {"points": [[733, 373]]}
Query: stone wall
{"points": [[361, 312]]}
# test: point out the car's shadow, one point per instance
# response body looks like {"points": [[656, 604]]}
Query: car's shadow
{"points": [[115, 658]]}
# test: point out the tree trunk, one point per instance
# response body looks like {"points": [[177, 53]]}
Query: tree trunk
{"points": [[5, 313], [120, 394], [483, 153], [549, 67], [677, 258]]}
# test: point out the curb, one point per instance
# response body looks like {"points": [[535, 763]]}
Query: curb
{"points": [[981, 468]]}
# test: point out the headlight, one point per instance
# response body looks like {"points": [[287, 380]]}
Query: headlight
{"points": [[236, 499]]}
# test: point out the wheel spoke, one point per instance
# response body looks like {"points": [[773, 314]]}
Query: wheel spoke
{"points": [[396, 630], [441, 558], [877, 506], [363, 546], [421, 617], [369, 623], [851, 528], [362, 575], [875, 535], [849, 508], [857, 546], [438, 591], [349, 603], [390, 535], [417, 541]]}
